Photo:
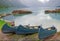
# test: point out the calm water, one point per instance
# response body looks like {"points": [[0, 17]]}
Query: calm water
{"points": [[38, 18]]}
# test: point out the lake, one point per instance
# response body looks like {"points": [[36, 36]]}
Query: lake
{"points": [[38, 17]]}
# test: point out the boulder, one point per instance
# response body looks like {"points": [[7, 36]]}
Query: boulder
{"points": [[21, 12], [52, 11]]}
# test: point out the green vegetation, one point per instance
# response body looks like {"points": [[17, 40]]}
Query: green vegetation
{"points": [[3, 7], [1, 24]]}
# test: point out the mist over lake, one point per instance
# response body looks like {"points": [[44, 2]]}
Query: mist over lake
{"points": [[30, 20], [39, 17]]}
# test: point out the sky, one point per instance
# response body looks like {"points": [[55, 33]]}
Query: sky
{"points": [[30, 3], [12, 3], [38, 3]]}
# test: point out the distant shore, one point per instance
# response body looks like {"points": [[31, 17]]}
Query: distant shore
{"points": [[52, 11], [17, 12]]}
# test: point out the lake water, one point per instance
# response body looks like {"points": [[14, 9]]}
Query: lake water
{"points": [[39, 17]]}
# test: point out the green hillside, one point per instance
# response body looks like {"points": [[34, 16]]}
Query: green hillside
{"points": [[3, 7]]}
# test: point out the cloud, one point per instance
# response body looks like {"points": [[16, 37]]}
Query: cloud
{"points": [[36, 3], [30, 3], [12, 3]]}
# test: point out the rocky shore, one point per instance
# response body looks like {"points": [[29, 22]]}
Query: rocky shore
{"points": [[15, 12], [52, 11], [55, 37], [3, 15], [33, 37]]}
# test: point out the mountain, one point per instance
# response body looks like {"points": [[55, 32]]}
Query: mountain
{"points": [[11, 3], [57, 6]]}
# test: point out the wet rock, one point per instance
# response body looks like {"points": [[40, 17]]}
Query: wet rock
{"points": [[52, 11], [21, 12]]}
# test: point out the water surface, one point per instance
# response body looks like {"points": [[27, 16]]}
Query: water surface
{"points": [[38, 17]]}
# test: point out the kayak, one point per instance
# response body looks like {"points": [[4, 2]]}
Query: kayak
{"points": [[25, 30], [44, 33], [7, 29], [18, 30]]}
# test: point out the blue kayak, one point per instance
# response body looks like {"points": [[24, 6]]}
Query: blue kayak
{"points": [[18, 30], [7, 29], [22, 30], [44, 33]]}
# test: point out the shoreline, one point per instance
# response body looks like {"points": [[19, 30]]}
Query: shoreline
{"points": [[33, 37]]}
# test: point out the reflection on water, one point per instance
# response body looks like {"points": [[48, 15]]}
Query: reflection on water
{"points": [[39, 18], [8, 10], [55, 16]]}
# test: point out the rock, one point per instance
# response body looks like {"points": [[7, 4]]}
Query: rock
{"points": [[3, 15], [21, 12], [52, 11]]}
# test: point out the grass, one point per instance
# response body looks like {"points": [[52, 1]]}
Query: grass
{"points": [[1, 24]]}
